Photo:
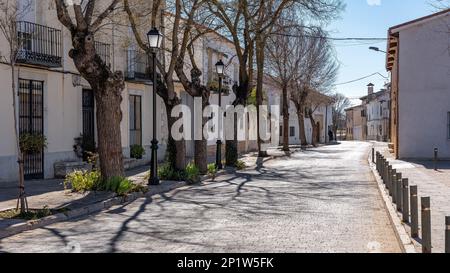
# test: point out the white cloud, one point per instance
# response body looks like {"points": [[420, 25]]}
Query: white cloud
{"points": [[374, 2]]}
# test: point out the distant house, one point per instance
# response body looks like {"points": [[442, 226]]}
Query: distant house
{"points": [[321, 106], [377, 106], [356, 123], [419, 61]]}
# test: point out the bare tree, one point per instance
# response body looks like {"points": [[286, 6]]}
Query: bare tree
{"points": [[187, 23], [84, 20], [235, 15], [440, 4], [10, 14], [197, 24], [317, 72], [283, 59], [341, 102]]}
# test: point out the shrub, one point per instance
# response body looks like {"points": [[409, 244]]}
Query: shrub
{"points": [[212, 170], [137, 151], [192, 173], [32, 143], [120, 185], [82, 181], [167, 172], [240, 165]]}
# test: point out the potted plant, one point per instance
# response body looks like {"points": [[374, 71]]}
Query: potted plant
{"points": [[137, 151], [32, 143]]}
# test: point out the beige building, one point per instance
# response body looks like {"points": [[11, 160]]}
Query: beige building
{"points": [[356, 123], [55, 101]]}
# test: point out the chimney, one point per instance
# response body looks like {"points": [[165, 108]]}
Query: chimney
{"points": [[370, 88]]}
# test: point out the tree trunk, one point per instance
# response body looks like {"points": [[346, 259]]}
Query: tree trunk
{"points": [[301, 124], [285, 120], [22, 199], [176, 150], [232, 146], [314, 131], [107, 87], [201, 146], [259, 92], [109, 116]]}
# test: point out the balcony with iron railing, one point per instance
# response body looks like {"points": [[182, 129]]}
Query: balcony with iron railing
{"points": [[104, 51], [39, 45], [227, 83], [137, 66]]}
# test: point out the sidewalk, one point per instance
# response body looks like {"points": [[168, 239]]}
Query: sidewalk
{"points": [[51, 194], [435, 184]]}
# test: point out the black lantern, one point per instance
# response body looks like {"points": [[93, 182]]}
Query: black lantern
{"points": [[155, 38], [220, 68]]}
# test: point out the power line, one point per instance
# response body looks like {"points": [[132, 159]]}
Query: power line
{"points": [[363, 78], [333, 38]]}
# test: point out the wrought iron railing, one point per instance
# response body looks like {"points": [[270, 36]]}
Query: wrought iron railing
{"points": [[137, 65], [104, 51], [39, 45]]}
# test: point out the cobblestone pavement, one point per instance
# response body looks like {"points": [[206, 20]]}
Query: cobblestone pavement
{"points": [[321, 200], [430, 183]]}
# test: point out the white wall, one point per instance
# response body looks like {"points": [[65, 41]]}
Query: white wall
{"points": [[424, 89]]}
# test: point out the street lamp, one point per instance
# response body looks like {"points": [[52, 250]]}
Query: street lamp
{"points": [[220, 68], [154, 41], [374, 48]]}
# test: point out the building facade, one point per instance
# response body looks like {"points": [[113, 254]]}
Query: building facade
{"points": [[55, 101], [322, 108], [418, 59], [356, 123], [377, 106]]}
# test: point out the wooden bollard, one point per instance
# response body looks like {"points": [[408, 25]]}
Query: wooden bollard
{"points": [[405, 199], [414, 212], [426, 225], [399, 192], [447, 234], [373, 155]]}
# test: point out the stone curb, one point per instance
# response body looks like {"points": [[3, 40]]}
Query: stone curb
{"points": [[403, 238]]}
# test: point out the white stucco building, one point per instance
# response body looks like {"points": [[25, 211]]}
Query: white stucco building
{"points": [[55, 101], [322, 112], [419, 61], [377, 112]]}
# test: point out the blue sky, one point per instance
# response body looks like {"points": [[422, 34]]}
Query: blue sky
{"points": [[369, 18]]}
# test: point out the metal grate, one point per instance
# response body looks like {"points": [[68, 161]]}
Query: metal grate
{"points": [[39, 45], [104, 51], [137, 65], [31, 121], [135, 120], [88, 121]]}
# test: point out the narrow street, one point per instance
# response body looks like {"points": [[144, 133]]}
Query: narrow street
{"points": [[321, 200]]}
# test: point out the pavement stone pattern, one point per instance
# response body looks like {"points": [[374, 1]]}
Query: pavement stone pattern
{"points": [[319, 200], [430, 183]]}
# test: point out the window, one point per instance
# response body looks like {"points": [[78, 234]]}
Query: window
{"points": [[292, 132], [135, 120], [281, 131]]}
